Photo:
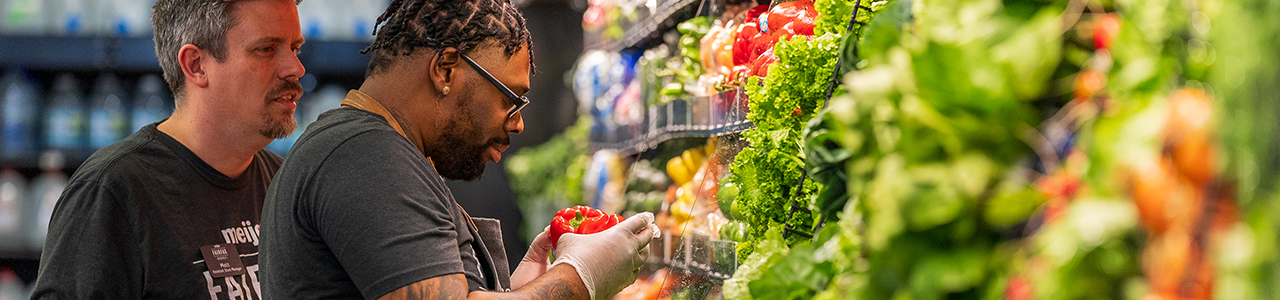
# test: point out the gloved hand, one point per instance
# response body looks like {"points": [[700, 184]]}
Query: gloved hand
{"points": [[610, 260], [535, 261]]}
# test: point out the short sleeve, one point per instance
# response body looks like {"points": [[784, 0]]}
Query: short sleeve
{"points": [[382, 220], [90, 252]]}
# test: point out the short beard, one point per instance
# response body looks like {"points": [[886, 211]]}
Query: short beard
{"points": [[458, 160], [272, 129]]}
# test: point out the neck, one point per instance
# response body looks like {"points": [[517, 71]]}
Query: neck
{"points": [[226, 149], [403, 102]]}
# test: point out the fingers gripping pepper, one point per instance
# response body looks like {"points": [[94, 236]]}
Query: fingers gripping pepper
{"points": [[580, 220]]}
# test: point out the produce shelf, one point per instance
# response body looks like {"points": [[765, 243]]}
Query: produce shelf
{"points": [[695, 254], [720, 114], [648, 31]]}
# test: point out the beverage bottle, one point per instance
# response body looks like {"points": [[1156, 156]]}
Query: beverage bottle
{"points": [[19, 107], [69, 17], [122, 17], [22, 17], [44, 195], [329, 97], [65, 119], [13, 188], [313, 17], [11, 286], [366, 12], [151, 102], [108, 119]]}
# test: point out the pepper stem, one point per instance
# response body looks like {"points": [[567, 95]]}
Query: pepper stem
{"points": [[577, 219]]}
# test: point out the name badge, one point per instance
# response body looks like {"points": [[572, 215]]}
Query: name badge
{"points": [[223, 260]]}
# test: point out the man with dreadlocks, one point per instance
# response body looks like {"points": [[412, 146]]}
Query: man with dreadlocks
{"points": [[359, 208]]}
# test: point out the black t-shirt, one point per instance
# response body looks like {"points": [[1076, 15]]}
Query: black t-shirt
{"points": [[357, 212], [133, 217]]}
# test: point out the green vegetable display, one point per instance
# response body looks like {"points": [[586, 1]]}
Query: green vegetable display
{"points": [[1246, 68], [767, 172], [926, 137]]}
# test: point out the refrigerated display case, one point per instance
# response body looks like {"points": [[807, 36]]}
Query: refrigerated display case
{"points": [[940, 149]]}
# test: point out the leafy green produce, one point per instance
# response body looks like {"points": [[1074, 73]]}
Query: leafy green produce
{"points": [[1092, 253], [768, 251], [825, 163], [768, 170], [925, 139], [1244, 72], [733, 231], [834, 15]]}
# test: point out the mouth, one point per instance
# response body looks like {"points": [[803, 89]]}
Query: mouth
{"points": [[288, 99], [495, 151]]}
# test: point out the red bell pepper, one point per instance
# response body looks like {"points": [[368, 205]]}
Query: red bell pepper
{"points": [[743, 43], [580, 220], [593, 225], [762, 28], [790, 18], [761, 67]]}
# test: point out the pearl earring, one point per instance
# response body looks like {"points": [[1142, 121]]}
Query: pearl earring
{"points": [[445, 90]]}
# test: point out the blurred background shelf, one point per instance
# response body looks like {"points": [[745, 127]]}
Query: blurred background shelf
{"points": [[648, 31], [716, 115], [137, 54]]}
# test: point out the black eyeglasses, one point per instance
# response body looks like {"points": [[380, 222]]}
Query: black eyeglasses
{"points": [[519, 101]]}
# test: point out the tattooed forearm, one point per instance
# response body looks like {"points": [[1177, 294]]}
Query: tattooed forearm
{"points": [[557, 288], [453, 286], [559, 283]]}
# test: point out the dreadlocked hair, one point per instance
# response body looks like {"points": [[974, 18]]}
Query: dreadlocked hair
{"points": [[407, 25]]}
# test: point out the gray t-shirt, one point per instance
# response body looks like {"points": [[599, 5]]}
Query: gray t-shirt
{"points": [[132, 220], [357, 211]]}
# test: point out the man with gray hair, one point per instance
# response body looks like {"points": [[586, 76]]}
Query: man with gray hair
{"points": [[171, 212]]}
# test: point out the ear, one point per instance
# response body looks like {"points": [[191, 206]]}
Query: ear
{"points": [[189, 58], [443, 64]]}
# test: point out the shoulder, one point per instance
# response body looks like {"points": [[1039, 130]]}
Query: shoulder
{"points": [[137, 154], [353, 135]]}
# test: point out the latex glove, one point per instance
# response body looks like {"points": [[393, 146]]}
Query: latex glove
{"points": [[535, 261], [610, 260]]}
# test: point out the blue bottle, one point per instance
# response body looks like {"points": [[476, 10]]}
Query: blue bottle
{"points": [[65, 119], [19, 103], [151, 103], [108, 119]]}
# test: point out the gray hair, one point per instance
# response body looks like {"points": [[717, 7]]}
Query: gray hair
{"points": [[203, 23]]}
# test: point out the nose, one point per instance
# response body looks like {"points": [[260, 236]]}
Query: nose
{"points": [[515, 124], [291, 67]]}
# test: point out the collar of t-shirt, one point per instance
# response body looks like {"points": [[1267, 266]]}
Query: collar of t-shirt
{"points": [[362, 101], [209, 173]]}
